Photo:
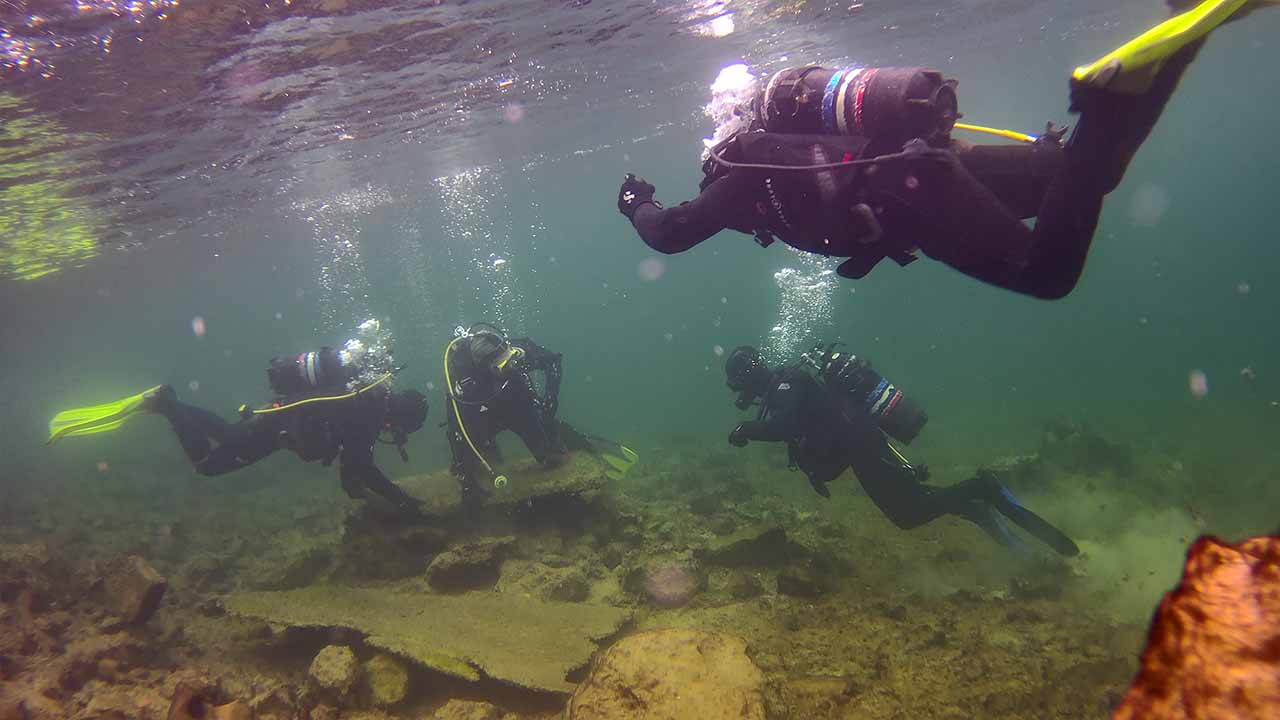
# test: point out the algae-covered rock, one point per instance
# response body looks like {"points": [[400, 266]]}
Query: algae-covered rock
{"points": [[470, 566], [519, 640], [801, 581], [678, 674], [335, 670], [526, 480], [467, 710], [386, 680], [564, 584]]}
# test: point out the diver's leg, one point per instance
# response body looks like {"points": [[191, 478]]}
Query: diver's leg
{"points": [[246, 449], [982, 236], [1111, 128], [893, 484], [467, 467], [194, 426], [524, 419]]}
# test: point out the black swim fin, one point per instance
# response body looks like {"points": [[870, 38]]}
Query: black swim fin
{"points": [[1037, 526]]}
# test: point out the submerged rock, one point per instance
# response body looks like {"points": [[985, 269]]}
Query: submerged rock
{"points": [[386, 680], [677, 674], [581, 474], [467, 710], [469, 566], [133, 589], [518, 640], [1213, 651], [335, 670], [563, 584]]}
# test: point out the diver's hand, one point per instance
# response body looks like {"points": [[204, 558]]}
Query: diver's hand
{"points": [[738, 437], [634, 193]]}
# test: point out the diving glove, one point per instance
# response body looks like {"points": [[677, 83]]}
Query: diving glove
{"points": [[634, 193], [738, 437]]}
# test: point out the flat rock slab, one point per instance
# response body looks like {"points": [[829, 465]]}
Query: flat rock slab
{"points": [[518, 640], [526, 480]]}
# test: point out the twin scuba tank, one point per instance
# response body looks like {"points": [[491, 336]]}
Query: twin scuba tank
{"points": [[865, 394]]}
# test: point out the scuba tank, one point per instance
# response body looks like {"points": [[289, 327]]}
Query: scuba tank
{"points": [[889, 105], [866, 394]]}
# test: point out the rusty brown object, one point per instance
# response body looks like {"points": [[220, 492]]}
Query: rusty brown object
{"points": [[1213, 651], [191, 704]]}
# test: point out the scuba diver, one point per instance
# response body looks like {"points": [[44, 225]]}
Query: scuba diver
{"points": [[490, 385], [859, 163], [330, 404], [835, 412]]}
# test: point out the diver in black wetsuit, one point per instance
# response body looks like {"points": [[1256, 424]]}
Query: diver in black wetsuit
{"points": [[860, 164], [320, 412], [491, 389], [839, 418]]}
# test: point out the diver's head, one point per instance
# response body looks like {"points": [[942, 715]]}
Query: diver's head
{"points": [[406, 411], [310, 371], [495, 354], [746, 374]]}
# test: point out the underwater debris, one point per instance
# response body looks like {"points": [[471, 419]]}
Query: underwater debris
{"points": [[672, 673], [518, 640], [1214, 647], [133, 589]]}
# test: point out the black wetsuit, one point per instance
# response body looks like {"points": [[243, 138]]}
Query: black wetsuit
{"points": [[963, 205], [490, 405], [822, 442], [345, 430]]}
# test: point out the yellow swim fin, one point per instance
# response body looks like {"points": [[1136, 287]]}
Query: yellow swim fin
{"points": [[620, 462], [1131, 67], [98, 418], [617, 456]]}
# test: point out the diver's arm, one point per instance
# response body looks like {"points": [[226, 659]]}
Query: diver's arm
{"points": [[540, 358], [782, 419], [357, 471], [772, 430], [726, 203]]}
